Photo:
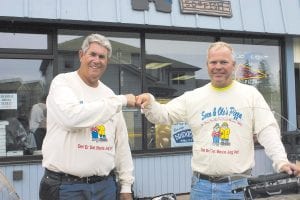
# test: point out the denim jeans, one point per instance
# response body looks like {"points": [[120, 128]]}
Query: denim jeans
{"points": [[51, 189], [206, 190]]}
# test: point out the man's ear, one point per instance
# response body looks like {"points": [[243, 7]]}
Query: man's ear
{"points": [[80, 54]]}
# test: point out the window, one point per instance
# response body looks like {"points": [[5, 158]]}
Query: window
{"points": [[23, 84], [23, 40], [174, 64], [297, 77], [26, 72], [258, 64], [178, 78]]}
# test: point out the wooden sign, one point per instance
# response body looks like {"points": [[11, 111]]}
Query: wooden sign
{"points": [[206, 7]]}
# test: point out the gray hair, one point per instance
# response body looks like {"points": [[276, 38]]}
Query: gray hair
{"points": [[217, 45], [100, 39]]}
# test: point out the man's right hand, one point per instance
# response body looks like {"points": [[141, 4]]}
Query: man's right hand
{"points": [[143, 100], [130, 100]]}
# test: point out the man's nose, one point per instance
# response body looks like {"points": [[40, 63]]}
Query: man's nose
{"points": [[218, 65]]}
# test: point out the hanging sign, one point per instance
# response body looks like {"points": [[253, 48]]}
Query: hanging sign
{"points": [[8, 101]]}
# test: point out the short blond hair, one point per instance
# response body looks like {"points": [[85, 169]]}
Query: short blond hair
{"points": [[220, 44]]}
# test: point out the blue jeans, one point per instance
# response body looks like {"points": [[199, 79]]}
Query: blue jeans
{"points": [[51, 189], [104, 190], [206, 190]]}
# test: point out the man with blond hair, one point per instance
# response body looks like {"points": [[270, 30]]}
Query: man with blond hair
{"points": [[218, 169]]}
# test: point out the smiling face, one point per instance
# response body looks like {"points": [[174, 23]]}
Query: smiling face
{"points": [[93, 63], [220, 66]]}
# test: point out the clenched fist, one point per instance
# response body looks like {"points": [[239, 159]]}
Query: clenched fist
{"points": [[143, 100], [130, 100]]}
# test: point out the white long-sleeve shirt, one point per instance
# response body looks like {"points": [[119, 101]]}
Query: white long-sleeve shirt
{"points": [[37, 116], [86, 132], [223, 122]]}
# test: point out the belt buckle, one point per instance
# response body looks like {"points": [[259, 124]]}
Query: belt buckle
{"points": [[221, 179], [214, 178], [88, 180]]}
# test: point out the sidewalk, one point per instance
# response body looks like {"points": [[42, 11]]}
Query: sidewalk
{"points": [[183, 197], [276, 197]]}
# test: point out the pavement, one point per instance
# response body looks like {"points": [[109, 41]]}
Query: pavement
{"points": [[183, 197], [283, 197], [276, 197]]}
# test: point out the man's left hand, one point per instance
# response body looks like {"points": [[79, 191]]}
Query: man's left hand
{"points": [[291, 168], [125, 196]]}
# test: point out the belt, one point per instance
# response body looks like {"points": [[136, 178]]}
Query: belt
{"points": [[219, 179], [63, 177]]}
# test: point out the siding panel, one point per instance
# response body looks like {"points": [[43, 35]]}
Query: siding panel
{"points": [[153, 175], [236, 21], [101, 11], [181, 20], [12, 8], [128, 15], [35, 7], [291, 16], [74, 10], [252, 16], [272, 16], [153, 17]]}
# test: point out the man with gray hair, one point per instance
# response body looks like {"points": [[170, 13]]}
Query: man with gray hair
{"points": [[86, 145]]}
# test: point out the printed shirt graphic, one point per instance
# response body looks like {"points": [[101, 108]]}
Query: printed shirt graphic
{"points": [[98, 133], [219, 119], [227, 128]]}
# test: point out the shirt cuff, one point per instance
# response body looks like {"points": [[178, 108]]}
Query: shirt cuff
{"points": [[279, 164], [125, 189], [123, 99]]}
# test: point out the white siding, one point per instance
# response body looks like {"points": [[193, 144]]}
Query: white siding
{"points": [[153, 175], [264, 16]]}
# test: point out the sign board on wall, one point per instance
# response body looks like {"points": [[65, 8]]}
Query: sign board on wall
{"points": [[8, 101], [206, 7]]}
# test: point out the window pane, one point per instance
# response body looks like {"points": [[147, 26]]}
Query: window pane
{"points": [[174, 64], [23, 41], [258, 64], [123, 74], [23, 84]]}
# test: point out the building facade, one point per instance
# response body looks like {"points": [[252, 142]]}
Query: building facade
{"points": [[158, 46]]}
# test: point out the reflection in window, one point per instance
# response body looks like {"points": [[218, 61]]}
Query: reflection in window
{"points": [[258, 64], [23, 40], [23, 84], [123, 74], [174, 64], [178, 78]]}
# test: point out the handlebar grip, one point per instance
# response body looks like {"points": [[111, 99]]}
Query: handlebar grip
{"points": [[269, 177]]}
